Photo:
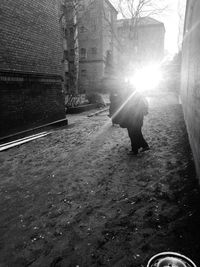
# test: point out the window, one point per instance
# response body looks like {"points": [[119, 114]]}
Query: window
{"points": [[81, 7], [109, 16], [71, 52], [82, 29], [94, 50], [83, 73], [83, 53], [65, 54], [125, 23], [93, 25], [66, 32]]}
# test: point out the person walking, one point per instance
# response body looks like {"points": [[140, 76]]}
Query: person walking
{"points": [[135, 107]]}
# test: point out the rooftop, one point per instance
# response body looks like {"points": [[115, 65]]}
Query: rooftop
{"points": [[143, 21], [111, 5]]}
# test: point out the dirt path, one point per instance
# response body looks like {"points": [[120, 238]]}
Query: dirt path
{"points": [[75, 198]]}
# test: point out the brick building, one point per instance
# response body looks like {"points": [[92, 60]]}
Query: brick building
{"points": [[142, 43], [30, 65], [190, 82]]}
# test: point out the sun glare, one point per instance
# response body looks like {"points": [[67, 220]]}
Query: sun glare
{"points": [[146, 78]]}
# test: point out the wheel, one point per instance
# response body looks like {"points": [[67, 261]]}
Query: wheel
{"points": [[170, 259]]}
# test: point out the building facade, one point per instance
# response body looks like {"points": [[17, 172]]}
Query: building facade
{"points": [[31, 55], [141, 41], [105, 42], [190, 81], [96, 26], [96, 43]]}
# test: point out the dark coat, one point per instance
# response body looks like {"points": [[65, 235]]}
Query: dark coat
{"points": [[116, 101], [133, 112]]}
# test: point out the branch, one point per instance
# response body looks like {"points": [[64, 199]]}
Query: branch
{"points": [[112, 30]]}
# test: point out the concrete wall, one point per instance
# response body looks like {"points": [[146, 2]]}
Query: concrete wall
{"points": [[30, 65], [190, 83], [91, 79]]}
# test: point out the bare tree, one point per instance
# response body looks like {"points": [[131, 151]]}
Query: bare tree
{"points": [[72, 12], [140, 8], [77, 12], [68, 20], [132, 11], [136, 9]]}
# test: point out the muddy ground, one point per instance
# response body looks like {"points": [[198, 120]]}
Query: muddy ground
{"points": [[75, 198]]}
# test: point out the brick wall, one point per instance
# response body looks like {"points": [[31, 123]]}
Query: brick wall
{"points": [[30, 36], [30, 65], [29, 102], [190, 83]]}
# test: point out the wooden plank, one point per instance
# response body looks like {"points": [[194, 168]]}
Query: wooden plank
{"points": [[22, 141], [35, 128], [98, 112]]}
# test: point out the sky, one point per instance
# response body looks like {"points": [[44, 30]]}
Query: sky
{"points": [[170, 18], [173, 19]]}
